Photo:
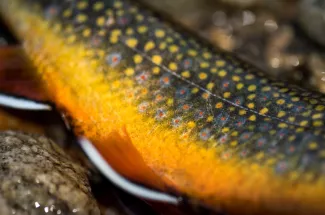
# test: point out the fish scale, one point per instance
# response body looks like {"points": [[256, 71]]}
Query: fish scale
{"points": [[182, 93]]}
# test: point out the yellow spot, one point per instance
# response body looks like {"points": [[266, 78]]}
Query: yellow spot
{"points": [[313, 101], [283, 125], [312, 145], [205, 95], [118, 4], [113, 39], [239, 86], [320, 107], [142, 29], [195, 90], [210, 86], [129, 71], [207, 55], [156, 70], [149, 45], [303, 123], [81, 18], [67, 13], [116, 32], [219, 105], [251, 96], [293, 175], [272, 132], [234, 133], [291, 119], [307, 113], [318, 123], [295, 99], [101, 32], [139, 17], [173, 48], [280, 101], [251, 105], [132, 42], [232, 108], [116, 84], [86, 32], [234, 143], [292, 138], [251, 88], [169, 40], [82, 5], [210, 118], [284, 90], [281, 113], [192, 52], [204, 65], [109, 12], [317, 116], [213, 70], [249, 77], [264, 110], [222, 73], [101, 21], [265, 89], [90, 53], [170, 101], [235, 78], [271, 161], [71, 39], [225, 130], [57, 27], [98, 6], [202, 75], [173, 66], [137, 59], [226, 94], [159, 33], [260, 155], [242, 112], [299, 130], [252, 118], [186, 74], [120, 12], [191, 124], [129, 31], [156, 59], [163, 45], [220, 63]]}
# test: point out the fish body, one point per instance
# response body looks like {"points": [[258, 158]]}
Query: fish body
{"points": [[200, 121]]}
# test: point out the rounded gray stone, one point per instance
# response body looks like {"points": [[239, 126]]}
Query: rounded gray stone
{"points": [[37, 177]]}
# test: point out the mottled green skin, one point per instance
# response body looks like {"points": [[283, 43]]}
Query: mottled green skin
{"points": [[184, 83]]}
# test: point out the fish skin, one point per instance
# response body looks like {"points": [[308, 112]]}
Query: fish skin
{"points": [[213, 127]]}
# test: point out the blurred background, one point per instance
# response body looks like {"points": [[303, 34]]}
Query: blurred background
{"points": [[285, 38]]}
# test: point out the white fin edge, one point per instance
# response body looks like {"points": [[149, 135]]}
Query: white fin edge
{"points": [[21, 103], [119, 180]]}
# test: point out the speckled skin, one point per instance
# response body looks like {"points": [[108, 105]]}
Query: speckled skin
{"points": [[209, 94], [37, 177], [213, 125]]}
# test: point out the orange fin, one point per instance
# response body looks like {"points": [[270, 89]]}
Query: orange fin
{"points": [[118, 151], [17, 74]]}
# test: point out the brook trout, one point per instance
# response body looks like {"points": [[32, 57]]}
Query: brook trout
{"points": [[169, 111]]}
